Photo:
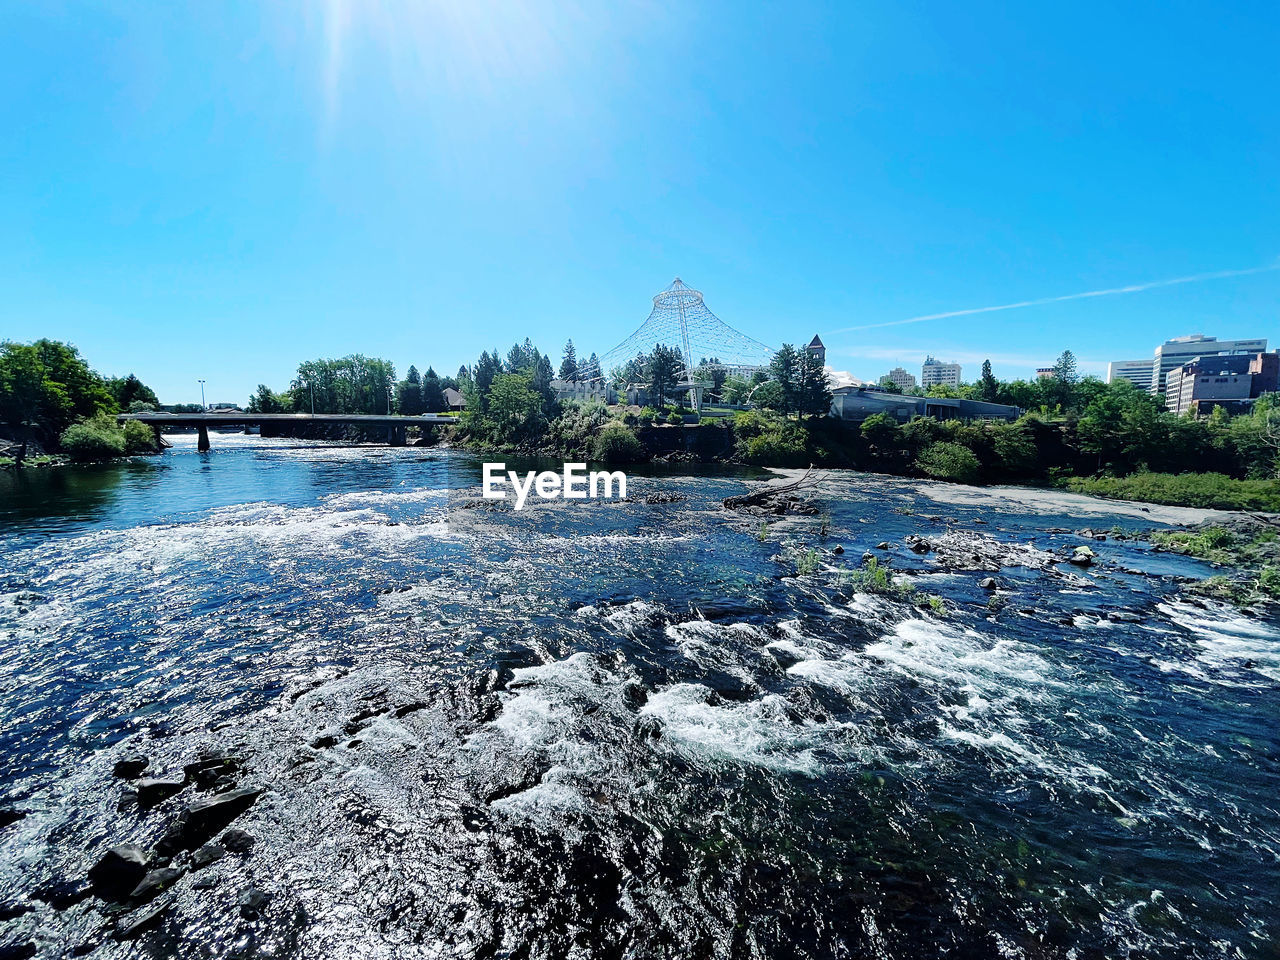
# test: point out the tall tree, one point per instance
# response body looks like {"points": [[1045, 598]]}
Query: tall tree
{"points": [[130, 390], [661, 373], [517, 359], [432, 392], [409, 394], [591, 370], [814, 393], [1065, 368], [785, 370], [988, 385], [569, 363]]}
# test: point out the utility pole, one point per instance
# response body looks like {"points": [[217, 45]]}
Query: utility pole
{"points": [[203, 406]]}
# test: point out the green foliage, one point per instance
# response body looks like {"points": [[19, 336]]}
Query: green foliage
{"points": [[617, 443], [770, 440], [264, 400], [661, 371], [871, 577], [569, 362], [46, 386], [807, 563], [130, 390], [96, 439], [880, 430], [674, 418], [575, 429], [1269, 582], [354, 384], [138, 438], [949, 461], [1207, 490]]}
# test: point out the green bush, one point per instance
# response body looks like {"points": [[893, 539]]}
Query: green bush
{"points": [[1207, 490], [647, 415], [674, 419], [96, 439], [617, 444], [138, 438], [949, 461], [1269, 582], [781, 449]]}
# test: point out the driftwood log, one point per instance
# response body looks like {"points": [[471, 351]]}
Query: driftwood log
{"points": [[765, 494]]}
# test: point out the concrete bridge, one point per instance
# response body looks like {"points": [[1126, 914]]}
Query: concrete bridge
{"points": [[395, 426]]}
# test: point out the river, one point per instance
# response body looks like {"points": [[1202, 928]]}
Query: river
{"points": [[620, 728]]}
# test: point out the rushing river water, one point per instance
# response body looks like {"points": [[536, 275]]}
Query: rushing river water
{"points": [[620, 729]]}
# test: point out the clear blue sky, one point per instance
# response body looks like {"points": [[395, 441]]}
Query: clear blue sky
{"points": [[221, 190]]}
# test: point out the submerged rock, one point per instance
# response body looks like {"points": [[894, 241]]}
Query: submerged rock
{"points": [[252, 902], [154, 883], [988, 583], [212, 771], [238, 841], [8, 815], [141, 920], [209, 853], [152, 790], [202, 820], [130, 767], [1081, 556], [119, 871]]}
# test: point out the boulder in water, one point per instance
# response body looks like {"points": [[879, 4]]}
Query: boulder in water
{"points": [[119, 871], [151, 790], [131, 766], [154, 883]]}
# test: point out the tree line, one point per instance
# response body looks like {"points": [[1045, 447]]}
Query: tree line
{"points": [[47, 388]]}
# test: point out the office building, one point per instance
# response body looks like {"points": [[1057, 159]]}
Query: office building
{"points": [[1233, 381], [1137, 372], [936, 372], [1043, 373], [1180, 350], [899, 377]]}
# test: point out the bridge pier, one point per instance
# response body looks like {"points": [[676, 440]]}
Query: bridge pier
{"points": [[396, 436], [202, 438]]}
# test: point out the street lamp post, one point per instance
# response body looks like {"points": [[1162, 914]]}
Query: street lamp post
{"points": [[203, 406]]}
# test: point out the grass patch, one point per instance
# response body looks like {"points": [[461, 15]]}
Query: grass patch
{"points": [[1205, 490]]}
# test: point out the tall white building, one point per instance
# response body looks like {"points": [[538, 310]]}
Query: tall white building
{"points": [[1137, 372], [936, 372], [899, 377]]}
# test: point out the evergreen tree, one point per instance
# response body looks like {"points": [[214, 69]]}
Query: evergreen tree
{"points": [[662, 370], [569, 363], [517, 359], [487, 367], [1065, 368], [814, 393], [592, 371], [785, 370], [988, 385], [432, 393]]}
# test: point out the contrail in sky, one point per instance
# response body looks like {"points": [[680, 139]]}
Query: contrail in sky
{"points": [[1133, 288]]}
